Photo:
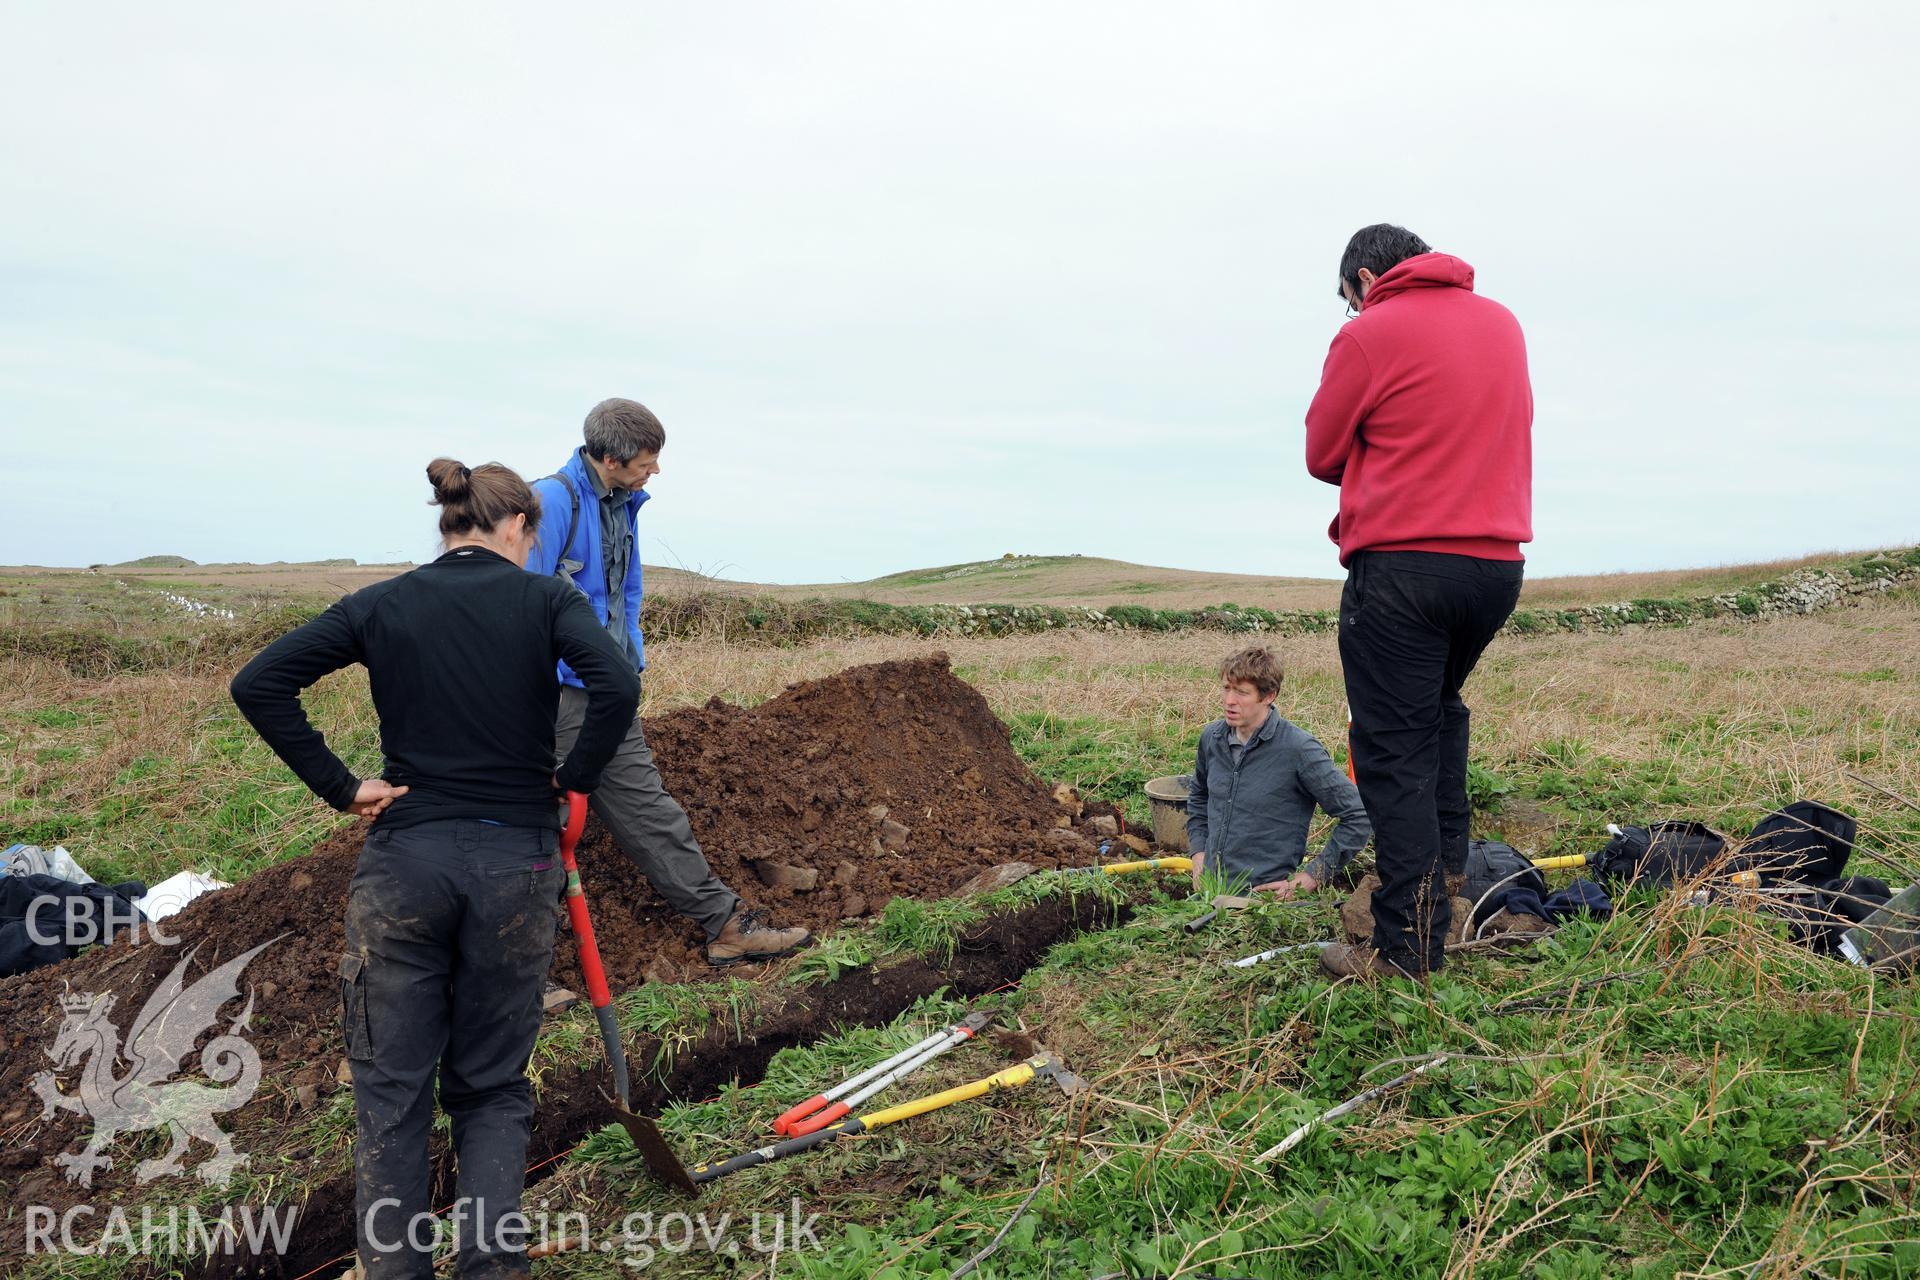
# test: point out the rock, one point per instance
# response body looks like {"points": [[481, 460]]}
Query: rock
{"points": [[1069, 799], [995, 878], [343, 1074], [811, 820], [879, 812], [1136, 844], [1504, 921], [1104, 824], [1356, 913], [664, 972], [1069, 841], [894, 834], [1461, 926], [269, 989], [780, 875], [1231, 901], [557, 1000], [853, 905], [305, 1096], [971, 779], [1064, 820], [873, 847], [845, 873]]}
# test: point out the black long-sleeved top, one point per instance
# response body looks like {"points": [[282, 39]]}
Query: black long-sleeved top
{"points": [[460, 654]]}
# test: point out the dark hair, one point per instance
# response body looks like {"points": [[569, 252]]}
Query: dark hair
{"points": [[479, 498], [1379, 248], [619, 429], [1257, 667]]}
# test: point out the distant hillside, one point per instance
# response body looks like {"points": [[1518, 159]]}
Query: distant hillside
{"points": [[1061, 581], [1094, 583], [1086, 581], [156, 562]]}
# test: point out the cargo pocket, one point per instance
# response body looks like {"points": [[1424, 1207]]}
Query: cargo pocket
{"points": [[353, 1008]]}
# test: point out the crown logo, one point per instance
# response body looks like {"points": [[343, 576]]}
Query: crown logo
{"points": [[80, 1002]]}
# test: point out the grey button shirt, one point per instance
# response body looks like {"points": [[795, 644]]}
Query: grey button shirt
{"points": [[616, 544], [1251, 805]]}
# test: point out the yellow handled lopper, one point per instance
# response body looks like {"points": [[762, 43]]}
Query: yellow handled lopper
{"points": [[1042, 1066]]}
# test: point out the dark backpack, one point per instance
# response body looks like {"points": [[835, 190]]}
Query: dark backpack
{"points": [[1661, 854], [1489, 863], [1806, 841]]}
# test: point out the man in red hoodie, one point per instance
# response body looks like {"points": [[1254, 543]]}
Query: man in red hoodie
{"points": [[1424, 418]]}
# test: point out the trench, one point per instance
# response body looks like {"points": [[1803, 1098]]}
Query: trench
{"points": [[991, 953]]}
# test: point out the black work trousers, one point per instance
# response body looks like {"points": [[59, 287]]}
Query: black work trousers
{"points": [[1412, 626], [450, 930]]}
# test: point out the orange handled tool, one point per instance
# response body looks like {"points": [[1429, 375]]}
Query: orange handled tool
{"points": [[822, 1109]]}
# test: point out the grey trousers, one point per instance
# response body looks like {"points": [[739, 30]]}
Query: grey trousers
{"points": [[449, 938], [648, 824]]}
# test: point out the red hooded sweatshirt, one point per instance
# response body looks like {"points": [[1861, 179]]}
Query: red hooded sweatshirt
{"points": [[1424, 418]]}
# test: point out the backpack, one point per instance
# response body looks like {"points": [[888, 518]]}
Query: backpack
{"points": [[1806, 841], [1660, 854], [1490, 862], [563, 567]]}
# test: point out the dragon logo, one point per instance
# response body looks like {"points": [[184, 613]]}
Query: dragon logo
{"points": [[146, 1097]]}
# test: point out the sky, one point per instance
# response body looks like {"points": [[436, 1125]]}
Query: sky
{"points": [[911, 285]]}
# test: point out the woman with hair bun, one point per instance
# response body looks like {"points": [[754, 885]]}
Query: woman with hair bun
{"points": [[451, 914]]}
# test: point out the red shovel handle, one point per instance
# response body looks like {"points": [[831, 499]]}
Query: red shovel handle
{"points": [[577, 904]]}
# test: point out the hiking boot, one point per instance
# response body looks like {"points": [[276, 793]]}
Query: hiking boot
{"points": [[1349, 960], [748, 936]]}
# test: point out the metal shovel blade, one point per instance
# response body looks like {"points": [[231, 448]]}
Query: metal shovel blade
{"points": [[652, 1144]]}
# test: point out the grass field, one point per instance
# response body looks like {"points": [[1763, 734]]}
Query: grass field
{"points": [[1675, 1093]]}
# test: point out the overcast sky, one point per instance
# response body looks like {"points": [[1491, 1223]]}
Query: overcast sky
{"points": [[917, 284]]}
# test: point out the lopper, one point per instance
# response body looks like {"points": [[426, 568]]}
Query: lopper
{"points": [[822, 1109]]}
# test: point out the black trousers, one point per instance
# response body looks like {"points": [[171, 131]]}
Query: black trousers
{"points": [[450, 931], [1412, 626]]}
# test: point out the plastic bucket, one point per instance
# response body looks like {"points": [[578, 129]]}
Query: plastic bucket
{"points": [[1167, 802]]}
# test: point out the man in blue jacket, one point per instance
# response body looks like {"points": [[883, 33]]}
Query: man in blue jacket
{"points": [[587, 534]]}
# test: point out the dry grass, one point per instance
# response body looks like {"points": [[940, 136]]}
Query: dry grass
{"points": [[1718, 722], [1665, 584]]}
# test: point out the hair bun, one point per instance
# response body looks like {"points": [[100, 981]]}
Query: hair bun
{"points": [[452, 481]]}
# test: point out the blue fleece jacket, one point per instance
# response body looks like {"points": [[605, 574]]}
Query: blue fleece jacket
{"points": [[582, 558]]}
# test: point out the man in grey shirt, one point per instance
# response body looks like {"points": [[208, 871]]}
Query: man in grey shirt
{"points": [[586, 535], [1257, 779]]}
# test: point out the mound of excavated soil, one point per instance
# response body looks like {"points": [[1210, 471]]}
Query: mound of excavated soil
{"points": [[884, 780]]}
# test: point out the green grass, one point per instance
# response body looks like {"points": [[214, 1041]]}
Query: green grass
{"points": [[1696, 1119], [1106, 759], [1733, 1100]]}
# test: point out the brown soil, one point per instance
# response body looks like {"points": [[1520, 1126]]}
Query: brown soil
{"points": [[994, 951], [798, 780]]}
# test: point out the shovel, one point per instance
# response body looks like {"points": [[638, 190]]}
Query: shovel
{"points": [[1042, 1066], [596, 976]]}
